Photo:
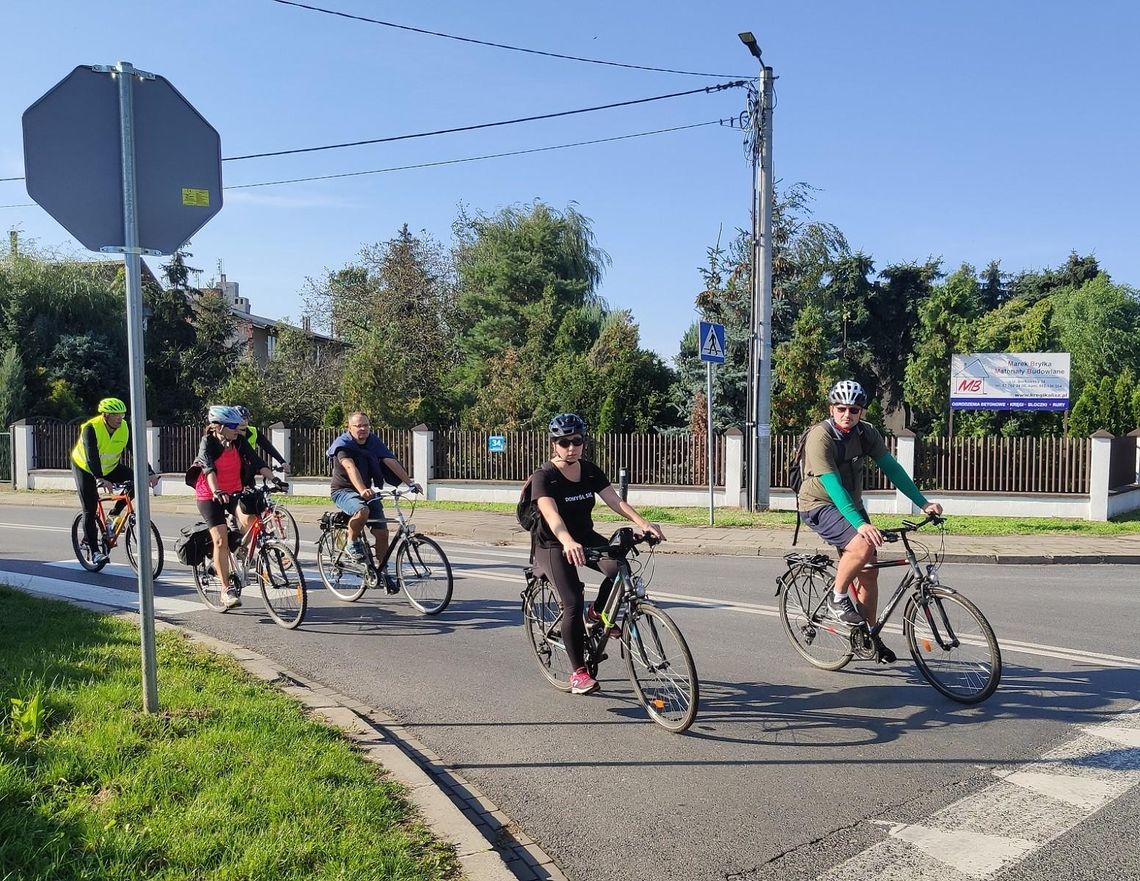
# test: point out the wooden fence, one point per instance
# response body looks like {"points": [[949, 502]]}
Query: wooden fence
{"points": [[650, 459], [53, 441], [1005, 464], [308, 459]]}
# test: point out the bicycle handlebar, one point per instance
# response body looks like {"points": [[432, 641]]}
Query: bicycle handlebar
{"points": [[896, 533], [619, 551]]}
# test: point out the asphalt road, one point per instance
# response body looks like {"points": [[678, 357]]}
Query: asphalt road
{"points": [[788, 772]]}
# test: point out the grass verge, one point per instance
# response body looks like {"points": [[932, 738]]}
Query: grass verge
{"points": [[227, 781]]}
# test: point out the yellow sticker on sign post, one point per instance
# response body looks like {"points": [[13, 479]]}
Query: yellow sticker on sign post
{"points": [[196, 198]]}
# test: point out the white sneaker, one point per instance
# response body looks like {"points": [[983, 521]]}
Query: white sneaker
{"points": [[100, 559]]}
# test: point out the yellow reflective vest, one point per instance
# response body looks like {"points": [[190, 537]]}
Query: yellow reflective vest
{"points": [[111, 446], [251, 436]]}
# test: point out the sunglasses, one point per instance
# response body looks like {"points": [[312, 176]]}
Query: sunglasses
{"points": [[854, 411], [232, 426], [565, 442]]}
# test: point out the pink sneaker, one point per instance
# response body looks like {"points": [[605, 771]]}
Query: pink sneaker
{"points": [[581, 682]]}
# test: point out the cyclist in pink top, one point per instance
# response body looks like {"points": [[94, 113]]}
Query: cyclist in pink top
{"points": [[225, 465]]}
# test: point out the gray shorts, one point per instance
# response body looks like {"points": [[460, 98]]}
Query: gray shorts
{"points": [[826, 522]]}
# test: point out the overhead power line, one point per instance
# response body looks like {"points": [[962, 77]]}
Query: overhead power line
{"points": [[404, 27], [21, 205], [297, 180], [719, 87]]}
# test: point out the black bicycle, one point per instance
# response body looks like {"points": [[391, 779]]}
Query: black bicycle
{"points": [[657, 658], [951, 642], [423, 572]]}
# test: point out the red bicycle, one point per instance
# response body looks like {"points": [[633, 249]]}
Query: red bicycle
{"points": [[109, 531]]}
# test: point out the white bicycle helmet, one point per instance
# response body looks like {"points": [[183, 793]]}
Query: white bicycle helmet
{"points": [[222, 414], [848, 392]]}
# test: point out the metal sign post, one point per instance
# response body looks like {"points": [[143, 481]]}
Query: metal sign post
{"points": [[132, 261], [128, 166], [711, 338]]}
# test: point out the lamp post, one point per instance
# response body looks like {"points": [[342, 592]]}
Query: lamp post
{"points": [[760, 346]]}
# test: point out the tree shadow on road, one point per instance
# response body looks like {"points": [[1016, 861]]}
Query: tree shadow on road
{"points": [[394, 617]]}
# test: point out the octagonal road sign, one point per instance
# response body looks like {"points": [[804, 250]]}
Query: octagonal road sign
{"points": [[73, 160]]}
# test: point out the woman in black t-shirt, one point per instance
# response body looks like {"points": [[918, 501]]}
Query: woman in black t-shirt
{"points": [[564, 490]]}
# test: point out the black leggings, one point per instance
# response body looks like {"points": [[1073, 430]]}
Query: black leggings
{"points": [[571, 592], [89, 497]]}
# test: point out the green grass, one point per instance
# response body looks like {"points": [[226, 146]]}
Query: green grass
{"points": [[227, 781]]}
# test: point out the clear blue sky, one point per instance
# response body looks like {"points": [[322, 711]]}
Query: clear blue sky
{"points": [[970, 131]]}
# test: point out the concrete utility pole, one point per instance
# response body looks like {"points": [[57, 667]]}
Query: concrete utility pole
{"points": [[760, 347]]}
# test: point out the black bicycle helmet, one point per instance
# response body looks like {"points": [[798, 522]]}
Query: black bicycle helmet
{"points": [[566, 424]]}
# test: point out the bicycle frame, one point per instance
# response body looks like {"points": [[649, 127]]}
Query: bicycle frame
{"points": [[915, 579], [118, 493], [404, 531]]}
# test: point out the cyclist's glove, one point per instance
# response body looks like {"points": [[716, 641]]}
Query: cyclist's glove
{"points": [[221, 498]]}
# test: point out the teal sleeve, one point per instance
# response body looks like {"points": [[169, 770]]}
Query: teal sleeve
{"points": [[842, 498], [901, 479]]}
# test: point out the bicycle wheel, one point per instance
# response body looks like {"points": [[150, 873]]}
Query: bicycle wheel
{"points": [[344, 577], [209, 585], [822, 642], [424, 574], [542, 618], [83, 553], [661, 668], [968, 672], [282, 584], [280, 525], [157, 555]]}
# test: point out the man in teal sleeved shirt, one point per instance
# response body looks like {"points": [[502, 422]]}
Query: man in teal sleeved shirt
{"points": [[831, 500]]}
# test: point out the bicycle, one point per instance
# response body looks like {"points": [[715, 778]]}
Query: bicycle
{"points": [[279, 522], [109, 530], [658, 660], [279, 577], [949, 638], [423, 571]]}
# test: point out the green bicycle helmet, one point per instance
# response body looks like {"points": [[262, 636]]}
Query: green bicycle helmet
{"points": [[112, 405]]}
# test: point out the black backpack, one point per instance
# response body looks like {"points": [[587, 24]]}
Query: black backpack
{"points": [[526, 510]]}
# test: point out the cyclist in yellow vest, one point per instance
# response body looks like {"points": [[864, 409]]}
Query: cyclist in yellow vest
{"points": [[95, 464], [259, 441]]}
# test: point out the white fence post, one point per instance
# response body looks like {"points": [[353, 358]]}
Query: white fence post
{"points": [[1135, 433], [423, 457], [905, 453], [733, 466], [153, 453], [1100, 458], [23, 449], [282, 438]]}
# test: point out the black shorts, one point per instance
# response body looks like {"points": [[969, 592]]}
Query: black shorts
{"points": [[215, 514], [826, 522]]}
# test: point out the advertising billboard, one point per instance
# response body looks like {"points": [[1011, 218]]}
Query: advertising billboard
{"points": [[1010, 381]]}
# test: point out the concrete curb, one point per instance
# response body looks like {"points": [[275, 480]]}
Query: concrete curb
{"points": [[488, 845]]}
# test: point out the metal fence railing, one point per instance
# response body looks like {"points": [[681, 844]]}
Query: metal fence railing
{"points": [[5, 457], [650, 459], [1005, 464], [307, 458], [178, 445]]}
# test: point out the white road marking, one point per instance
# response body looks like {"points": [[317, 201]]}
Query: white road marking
{"points": [[1070, 783], [95, 593], [1083, 792]]}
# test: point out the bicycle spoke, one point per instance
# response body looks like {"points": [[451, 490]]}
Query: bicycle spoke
{"points": [[953, 646], [661, 668]]}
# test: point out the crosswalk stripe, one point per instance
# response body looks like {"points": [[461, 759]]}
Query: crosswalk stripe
{"points": [[1076, 779]]}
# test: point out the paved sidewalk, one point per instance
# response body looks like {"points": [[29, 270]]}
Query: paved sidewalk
{"points": [[494, 528]]}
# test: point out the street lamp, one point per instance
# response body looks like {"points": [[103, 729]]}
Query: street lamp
{"points": [[750, 41], [760, 350]]}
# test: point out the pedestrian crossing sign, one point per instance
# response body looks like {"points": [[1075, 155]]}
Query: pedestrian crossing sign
{"points": [[711, 339]]}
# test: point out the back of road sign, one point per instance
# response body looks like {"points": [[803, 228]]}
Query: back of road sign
{"points": [[73, 161]]}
